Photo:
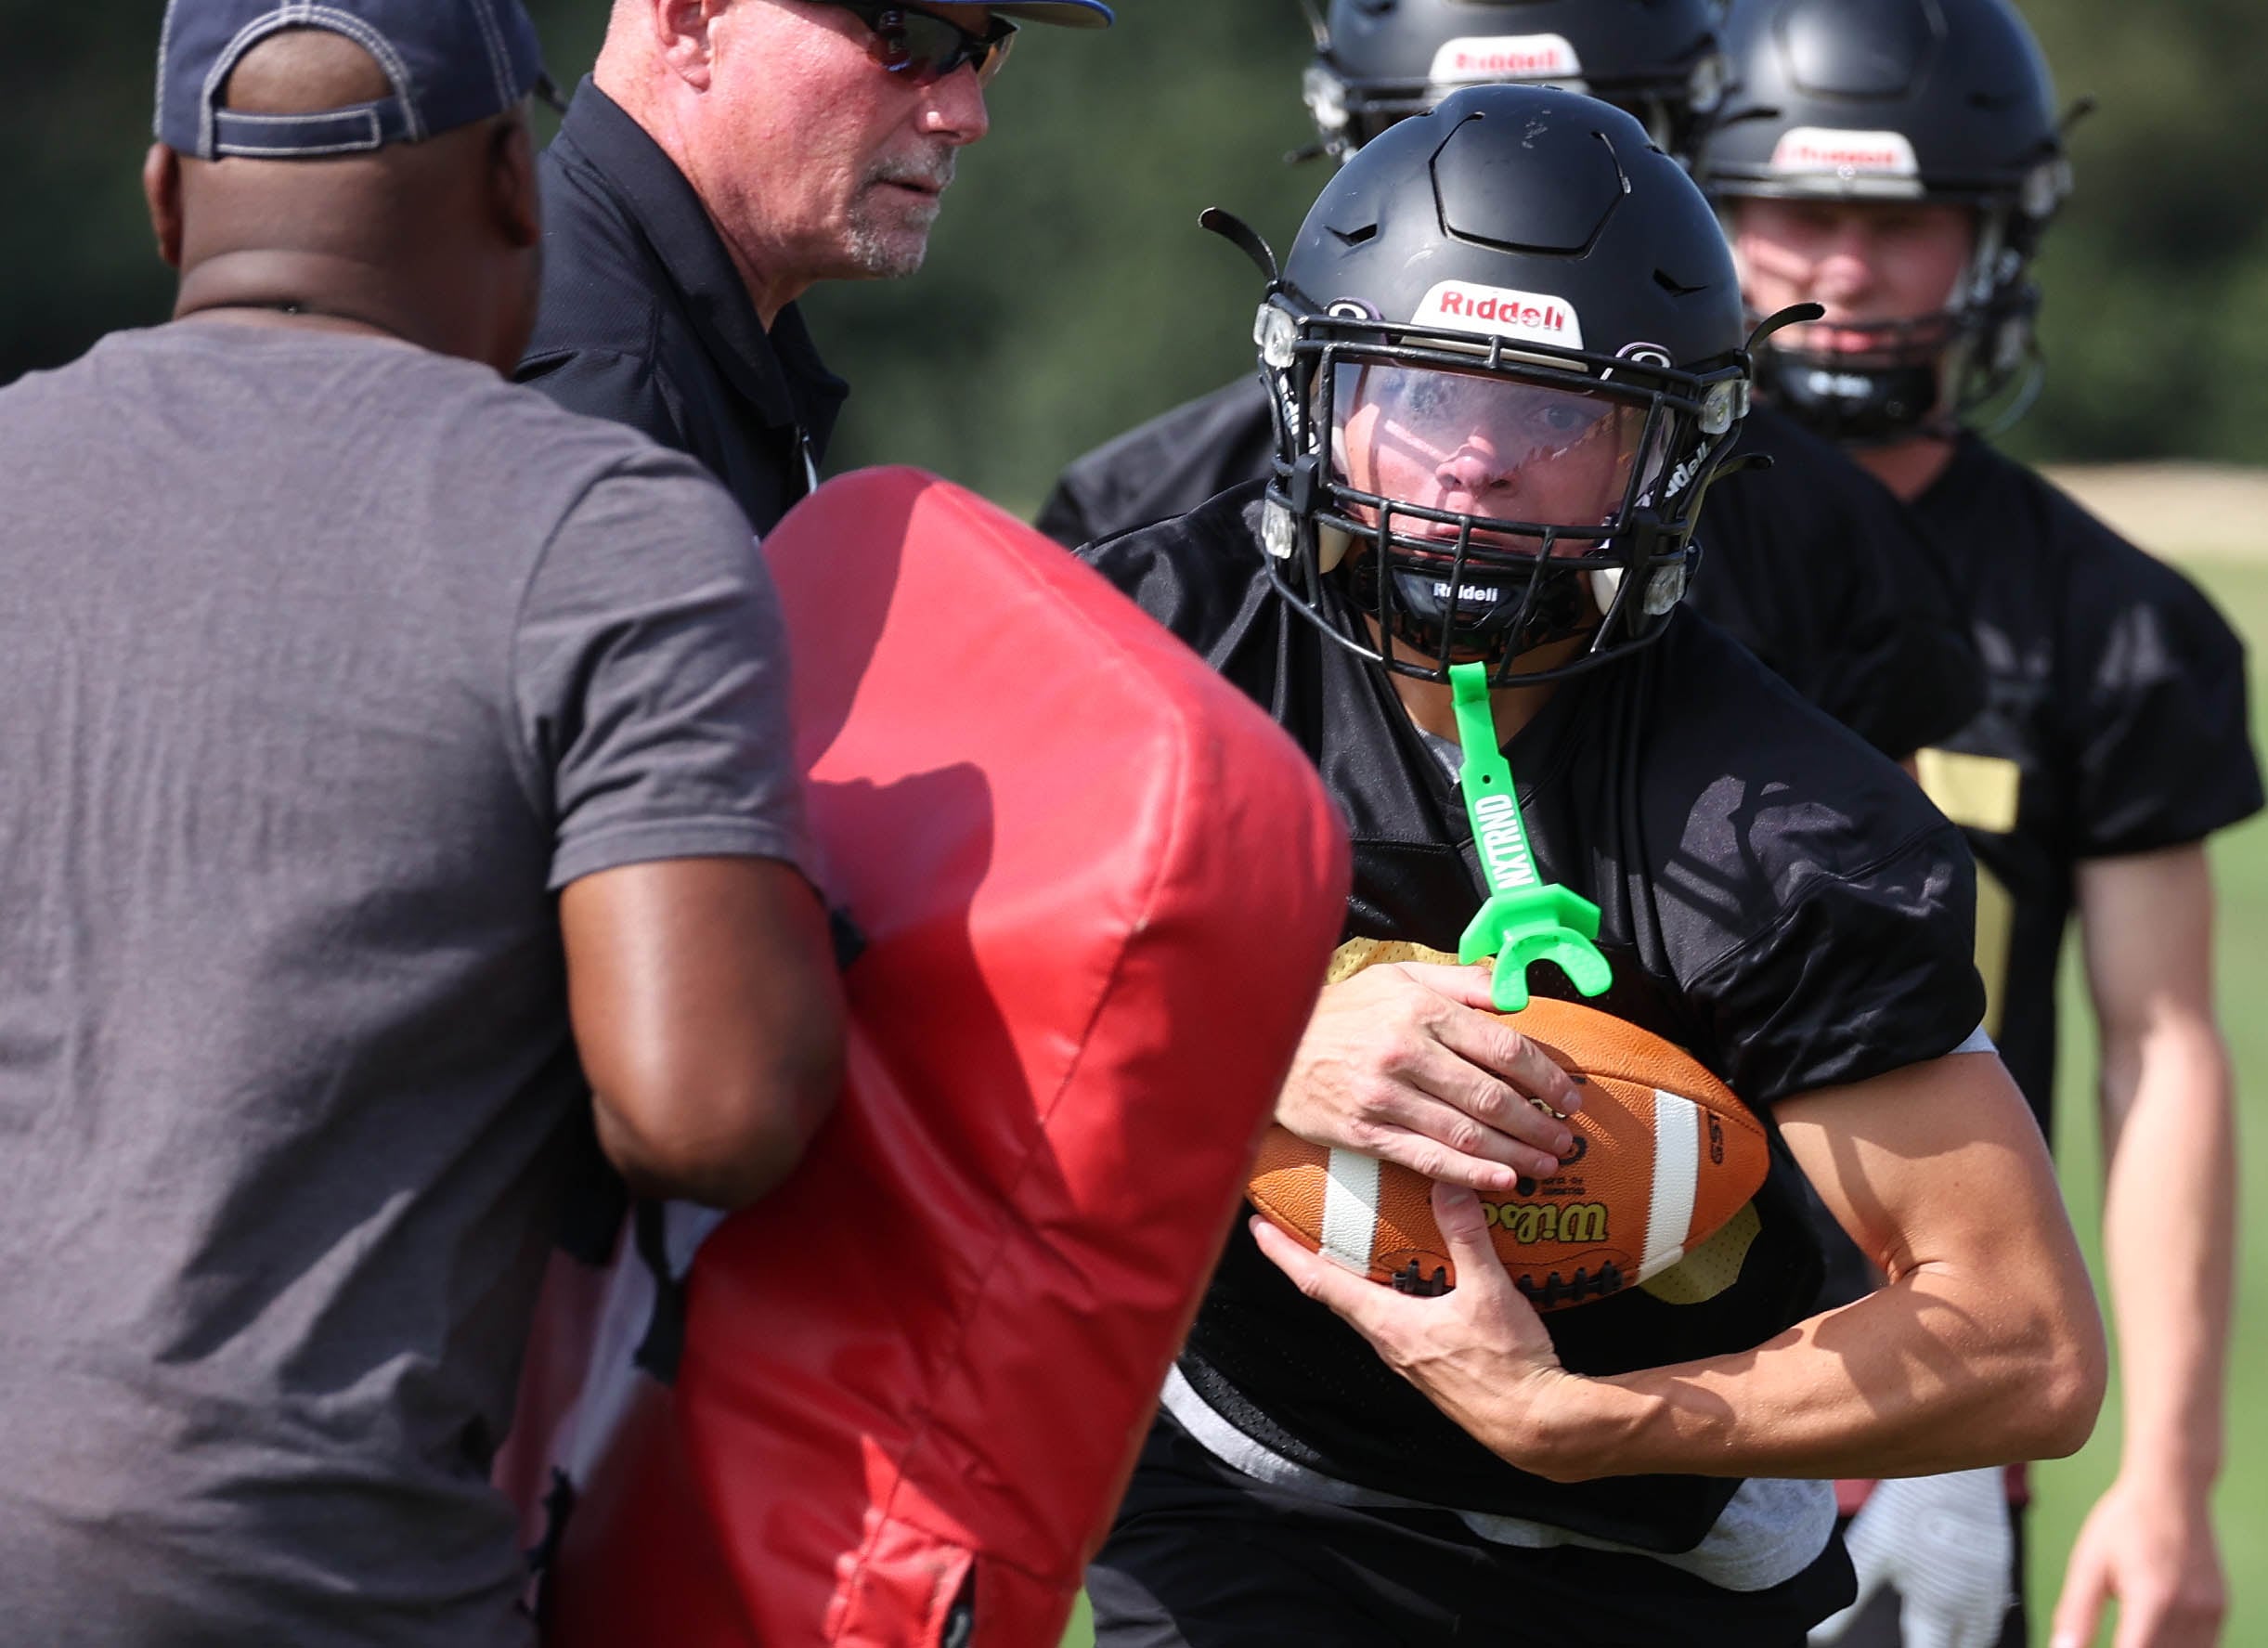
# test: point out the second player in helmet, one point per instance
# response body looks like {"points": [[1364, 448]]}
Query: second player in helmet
{"points": [[1818, 571], [1507, 350], [1900, 161], [1378, 62]]}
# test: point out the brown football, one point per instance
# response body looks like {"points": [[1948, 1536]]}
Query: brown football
{"points": [[1665, 1155]]}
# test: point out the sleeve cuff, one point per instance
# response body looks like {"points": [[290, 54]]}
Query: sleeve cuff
{"points": [[674, 838]]}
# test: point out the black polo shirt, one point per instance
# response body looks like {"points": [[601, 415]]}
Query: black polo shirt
{"points": [[646, 322]]}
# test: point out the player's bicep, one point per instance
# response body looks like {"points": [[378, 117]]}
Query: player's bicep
{"points": [[1936, 1164]]}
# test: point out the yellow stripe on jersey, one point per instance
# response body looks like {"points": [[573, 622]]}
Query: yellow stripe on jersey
{"points": [[1981, 793], [1713, 1267], [1356, 955], [1976, 792]]}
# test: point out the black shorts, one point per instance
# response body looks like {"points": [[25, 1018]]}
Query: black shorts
{"points": [[1878, 1624], [1202, 1556]]}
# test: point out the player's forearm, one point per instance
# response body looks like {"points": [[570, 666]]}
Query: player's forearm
{"points": [[2168, 1239], [1932, 1374]]}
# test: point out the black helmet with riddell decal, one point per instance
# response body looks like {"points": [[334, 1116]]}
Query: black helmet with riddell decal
{"points": [[1378, 61], [1507, 357], [1935, 100]]}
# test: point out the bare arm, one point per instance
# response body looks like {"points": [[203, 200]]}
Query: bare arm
{"points": [[709, 1020], [2168, 1238], [1984, 1348]]}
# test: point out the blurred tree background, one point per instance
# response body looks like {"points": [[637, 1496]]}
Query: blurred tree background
{"points": [[1070, 293]]}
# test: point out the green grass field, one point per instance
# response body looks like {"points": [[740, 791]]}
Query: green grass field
{"points": [[2066, 1488]]}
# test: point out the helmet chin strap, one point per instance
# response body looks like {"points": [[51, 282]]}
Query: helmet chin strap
{"points": [[1440, 625], [1875, 406]]}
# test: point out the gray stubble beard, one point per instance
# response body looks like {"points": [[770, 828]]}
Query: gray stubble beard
{"points": [[880, 250]]}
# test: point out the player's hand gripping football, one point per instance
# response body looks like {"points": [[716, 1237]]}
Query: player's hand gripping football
{"points": [[1479, 1351], [1410, 1063]]}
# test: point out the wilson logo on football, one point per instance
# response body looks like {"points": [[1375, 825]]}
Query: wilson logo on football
{"points": [[1873, 154], [1507, 57], [1534, 316], [1580, 1222]]}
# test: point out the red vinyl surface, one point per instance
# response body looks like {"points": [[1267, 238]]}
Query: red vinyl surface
{"points": [[1099, 891]]}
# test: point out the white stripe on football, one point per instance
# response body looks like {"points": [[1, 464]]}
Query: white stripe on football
{"points": [[1665, 1156]]}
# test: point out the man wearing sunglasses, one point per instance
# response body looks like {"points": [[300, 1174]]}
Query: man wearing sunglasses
{"points": [[723, 157]]}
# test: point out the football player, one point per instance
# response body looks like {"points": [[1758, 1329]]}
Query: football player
{"points": [[1507, 358], [1817, 570], [1897, 161]]}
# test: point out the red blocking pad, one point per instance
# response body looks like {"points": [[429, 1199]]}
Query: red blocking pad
{"points": [[1099, 891]]}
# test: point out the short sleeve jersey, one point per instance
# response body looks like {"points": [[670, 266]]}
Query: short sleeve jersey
{"points": [[1816, 568], [1811, 565], [1774, 895], [328, 662], [2117, 723]]}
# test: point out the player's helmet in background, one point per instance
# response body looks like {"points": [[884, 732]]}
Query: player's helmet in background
{"points": [[1940, 100], [1516, 300], [1378, 61]]}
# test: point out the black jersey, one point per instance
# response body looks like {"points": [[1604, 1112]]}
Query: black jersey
{"points": [[1773, 895], [1813, 565], [2116, 724]]}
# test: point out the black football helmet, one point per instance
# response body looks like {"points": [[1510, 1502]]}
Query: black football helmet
{"points": [[1943, 100], [1507, 355], [1378, 61]]}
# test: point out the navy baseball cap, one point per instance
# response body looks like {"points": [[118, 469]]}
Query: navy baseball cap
{"points": [[452, 62], [1068, 14]]}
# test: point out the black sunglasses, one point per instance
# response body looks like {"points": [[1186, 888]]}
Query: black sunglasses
{"points": [[926, 47]]}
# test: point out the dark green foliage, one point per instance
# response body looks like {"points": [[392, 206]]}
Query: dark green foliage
{"points": [[1070, 293]]}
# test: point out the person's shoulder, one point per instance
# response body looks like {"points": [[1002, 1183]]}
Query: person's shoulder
{"points": [[1763, 775], [21, 398], [1201, 573], [1703, 679], [2106, 579], [1228, 409], [2100, 546], [312, 381], [605, 291], [1810, 479], [1219, 539], [1164, 467], [1815, 910], [2148, 713], [487, 432]]}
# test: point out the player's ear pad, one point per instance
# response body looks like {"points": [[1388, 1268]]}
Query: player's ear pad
{"points": [[1098, 889]]}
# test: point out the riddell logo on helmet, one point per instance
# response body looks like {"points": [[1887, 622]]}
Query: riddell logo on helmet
{"points": [[1534, 316], [1507, 57], [1818, 148]]}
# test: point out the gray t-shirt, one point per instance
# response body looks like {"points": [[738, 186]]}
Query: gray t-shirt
{"points": [[325, 662]]}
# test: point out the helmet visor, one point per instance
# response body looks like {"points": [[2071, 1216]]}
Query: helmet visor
{"points": [[1482, 445]]}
